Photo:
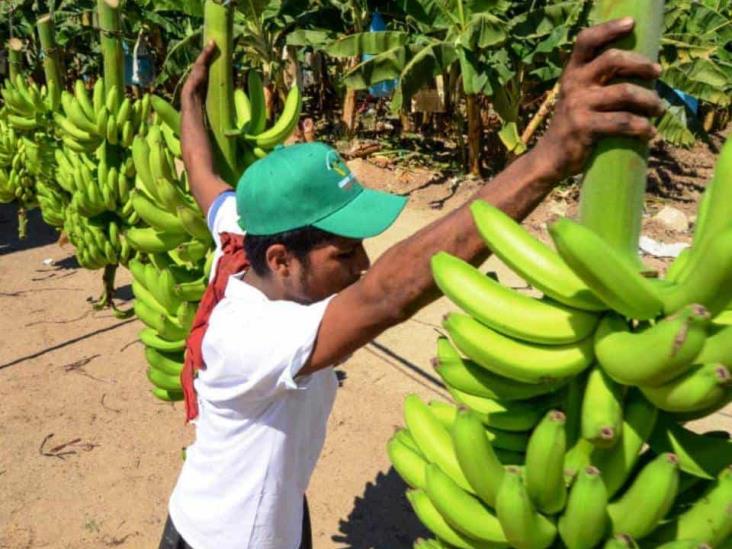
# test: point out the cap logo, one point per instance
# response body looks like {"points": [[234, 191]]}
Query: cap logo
{"points": [[335, 163]]}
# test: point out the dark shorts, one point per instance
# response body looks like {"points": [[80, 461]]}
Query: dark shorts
{"points": [[173, 540]]}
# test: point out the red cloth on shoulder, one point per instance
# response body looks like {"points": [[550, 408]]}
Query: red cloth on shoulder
{"points": [[232, 261]]}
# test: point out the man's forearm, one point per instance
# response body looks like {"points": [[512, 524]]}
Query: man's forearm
{"points": [[197, 154], [402, 280]]}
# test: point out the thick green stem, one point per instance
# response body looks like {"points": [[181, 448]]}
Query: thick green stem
{"points": [[51, 62], [218, 26], [611, 202], [15, 57], [111, 47]]}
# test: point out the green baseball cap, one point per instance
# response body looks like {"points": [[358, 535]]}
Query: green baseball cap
{"points": [[309, 184]]}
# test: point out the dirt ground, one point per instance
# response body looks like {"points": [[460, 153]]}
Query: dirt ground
{"points": [[88, 457]]}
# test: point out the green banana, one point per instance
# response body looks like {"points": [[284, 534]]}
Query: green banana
{"points": [[533, 260], [243, 108], [167, 396], [404, 438], [461, 510], [509, 416], [678, 265], [164, 363], [612, 277], [654, 355], [285, 124], [190, 291], [616, 463], [409, 464], [602, 409], [709, 280], [433, 520], [149, 316], [98, 96], [158, 219], [82, 98], [433, 439], [468, 377], [507, 311], [544, 470], [167, 113], [255, 92], [584, 523], [143, 294], [701, 388], [717, 347], [149, 337], [700, 455], [194, 223], [525, 362], [639, 510], [709, 520], [476, 457], [76, 114], [523, 526], [151, 241], [163, 381], [714, 213]]}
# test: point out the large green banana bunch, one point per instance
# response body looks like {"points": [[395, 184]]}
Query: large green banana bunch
{"points": [[173, 242], [597, 376]]}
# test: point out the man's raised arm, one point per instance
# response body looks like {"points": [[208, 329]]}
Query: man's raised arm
{"points": [[205, 183], [400, 282]]}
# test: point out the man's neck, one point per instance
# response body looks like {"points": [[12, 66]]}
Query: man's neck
{"points": [[266, 285]]}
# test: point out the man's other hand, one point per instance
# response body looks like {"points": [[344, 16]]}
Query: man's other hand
{"points": [[197, 82], [591, 105]]}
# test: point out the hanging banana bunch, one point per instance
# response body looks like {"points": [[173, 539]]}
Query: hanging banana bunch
{"points": [[26, 145], [173, 243], [568, 428]]}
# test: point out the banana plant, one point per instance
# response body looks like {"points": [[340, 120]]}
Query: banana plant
{"points": [[697, 61], [451, 33]]}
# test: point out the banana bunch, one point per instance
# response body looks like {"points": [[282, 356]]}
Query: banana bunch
{"points": [[105, 117], [26, 148], [27, 105], [166, 296], [173, 242], [98, 241], [254, 139], [569, 427]]}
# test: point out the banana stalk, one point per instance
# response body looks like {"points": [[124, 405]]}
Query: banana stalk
{"points": [[111, 47], [15, 57], [614, 184], [51, 62], [218, 26]]}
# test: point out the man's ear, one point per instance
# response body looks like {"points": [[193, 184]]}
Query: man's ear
{"points": [[278, 260]]}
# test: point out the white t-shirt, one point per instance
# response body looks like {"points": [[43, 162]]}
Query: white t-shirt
{"points": [[259, 431]]}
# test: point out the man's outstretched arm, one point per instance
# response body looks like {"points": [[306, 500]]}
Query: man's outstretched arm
{"points": [[400, 282], [205, 183]]}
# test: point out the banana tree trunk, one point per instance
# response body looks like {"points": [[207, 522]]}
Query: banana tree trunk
{"points": [[218, 26], [15, 57], [611, 201], [349, 104], [51, 62], [111, 43], [475, 130]]}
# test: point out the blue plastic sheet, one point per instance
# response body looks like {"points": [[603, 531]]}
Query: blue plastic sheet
{"points": [[385, 88]]}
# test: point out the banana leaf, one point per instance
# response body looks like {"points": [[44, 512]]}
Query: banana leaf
{"points": [[673, 126], [381, 67], [372, 43], [421, 69], [703, 79], [317, 39], [483, 31]]}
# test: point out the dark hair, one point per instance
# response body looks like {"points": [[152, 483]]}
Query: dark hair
{"points": [[298, 241]]}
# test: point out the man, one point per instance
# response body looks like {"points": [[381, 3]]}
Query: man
{"points": [[309, 299]]}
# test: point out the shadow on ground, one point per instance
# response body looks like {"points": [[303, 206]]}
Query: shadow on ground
{"points": [[382, 518], [39, 234]]}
